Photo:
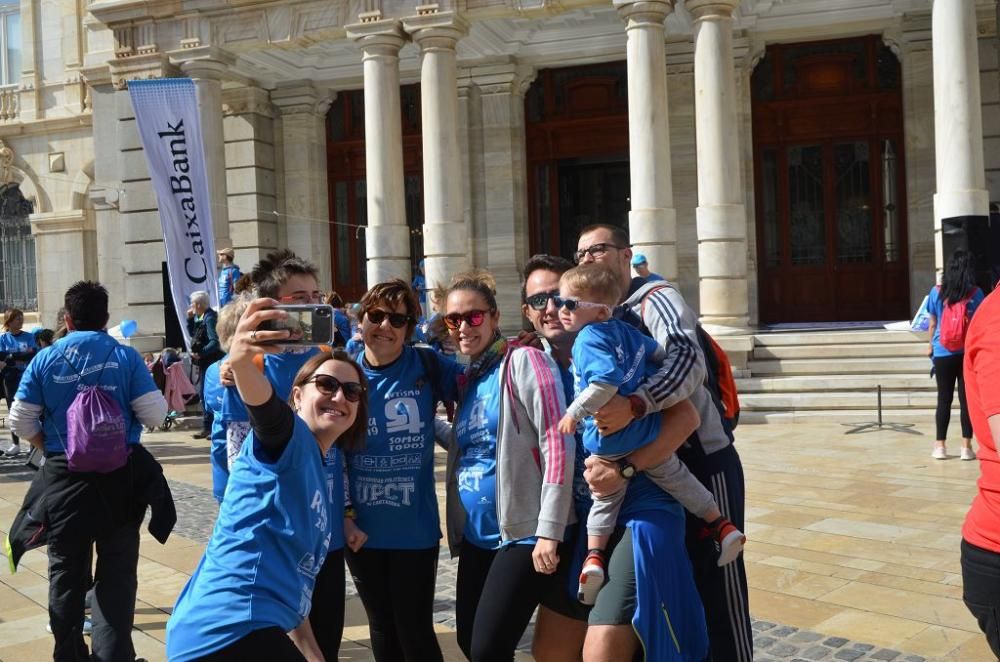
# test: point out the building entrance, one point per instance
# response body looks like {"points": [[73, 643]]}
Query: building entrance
{"points": [[830, 182], [577, 137]]}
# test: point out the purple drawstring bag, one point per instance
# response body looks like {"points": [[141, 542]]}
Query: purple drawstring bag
{"points": [[95, 429]]}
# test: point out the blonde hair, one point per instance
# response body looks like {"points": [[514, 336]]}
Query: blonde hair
{"points": [[593, 282], [479, 281], [229, 317]]}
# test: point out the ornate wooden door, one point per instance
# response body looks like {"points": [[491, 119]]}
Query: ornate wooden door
{"points": [[829, 183]]}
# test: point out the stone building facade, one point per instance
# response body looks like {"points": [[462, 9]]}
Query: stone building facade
{"points": [[774, 157]]}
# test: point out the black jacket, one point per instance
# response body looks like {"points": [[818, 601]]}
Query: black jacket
{"points": [[61, 503]]}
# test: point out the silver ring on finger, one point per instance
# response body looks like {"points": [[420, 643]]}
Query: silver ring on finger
{"points": [[253, 336]]}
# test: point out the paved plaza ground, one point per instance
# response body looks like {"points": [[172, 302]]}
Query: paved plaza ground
{"points": [[853, 551]]}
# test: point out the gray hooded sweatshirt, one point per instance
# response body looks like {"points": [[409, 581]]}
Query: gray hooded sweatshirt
{"points": [[534, 461]]}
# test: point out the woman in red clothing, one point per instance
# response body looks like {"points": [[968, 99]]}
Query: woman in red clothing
{"points": [[981, 533]]}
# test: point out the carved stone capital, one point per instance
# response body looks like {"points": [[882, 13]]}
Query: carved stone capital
{"points": [[643, 13], [208, 62], [439, 30], [511, 78], [141, 67], [301, 98], [383, 37], [247, 101], [711, 9]]}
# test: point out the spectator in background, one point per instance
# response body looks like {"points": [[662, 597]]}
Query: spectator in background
{"points": [[641, 267], [87, 508], [44, 338], [205, 349], [419, 286], [17, 347], [341, 323], [228, 275], [958, 287], [981, 533]]}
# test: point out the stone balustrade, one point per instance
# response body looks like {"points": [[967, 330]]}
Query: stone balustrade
{"points": [[9, 103]]}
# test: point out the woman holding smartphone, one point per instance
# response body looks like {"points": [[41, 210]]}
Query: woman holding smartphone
{"points": [[391, 481], [510, 476], [257, 579]]}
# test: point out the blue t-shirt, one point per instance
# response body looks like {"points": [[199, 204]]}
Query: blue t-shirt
{"points": [[935, 306], [392, 479], [214, 391], [17, 343], [582, 498], [227, 280], [342, 324], [271, 538], [476, 434], [651, 278], [51, 382], [615, 353]]}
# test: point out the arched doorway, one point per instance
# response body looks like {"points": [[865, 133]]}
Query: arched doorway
{"points": [[577, 143], [348, 202], [18, 287], [830, 182]]}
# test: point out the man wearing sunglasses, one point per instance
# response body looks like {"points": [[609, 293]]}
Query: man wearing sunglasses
{"points": [[561, 626], [709, 454]]}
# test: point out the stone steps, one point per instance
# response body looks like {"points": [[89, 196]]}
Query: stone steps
{"points": [[833, 376]]}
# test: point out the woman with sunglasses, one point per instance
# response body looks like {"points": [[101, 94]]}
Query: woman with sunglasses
{"points": [[281, 516], [510, 476], [391, 481], [287, 278]]}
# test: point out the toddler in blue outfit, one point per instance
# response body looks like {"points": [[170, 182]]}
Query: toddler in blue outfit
{"points": [[610, 357]]}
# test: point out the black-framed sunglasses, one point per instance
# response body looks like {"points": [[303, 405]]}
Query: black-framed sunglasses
{"points": [[473, 318], [397, 320], [572, 304], [329, 385], [595, 251], [541, 300]]}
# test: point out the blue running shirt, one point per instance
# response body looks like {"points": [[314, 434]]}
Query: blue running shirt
{"points": [[392, 479], [17, 344], [270, 540], [51, 383], [476, 434], [214, 391], [612, 352]]}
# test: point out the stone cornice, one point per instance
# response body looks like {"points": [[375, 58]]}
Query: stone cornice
{"points": [[204, 62], [61, 222], [46, 125], [378, 36], [436, 29]]}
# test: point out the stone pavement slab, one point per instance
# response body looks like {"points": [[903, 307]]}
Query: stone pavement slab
{"points": [[852, 553]]}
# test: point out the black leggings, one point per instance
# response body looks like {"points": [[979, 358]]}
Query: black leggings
{"points": [[948, 370], [327, 614], [397, 589], [497, 593], [981, 590], [266, 644]]}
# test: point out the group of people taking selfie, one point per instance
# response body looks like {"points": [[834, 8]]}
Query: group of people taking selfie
{"points": [[590, 474]]}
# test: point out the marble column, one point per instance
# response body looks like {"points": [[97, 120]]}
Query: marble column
{"points": [[722, 231], [208, 67], [445, 236], [961, 199], [652, 219], [387, 238], [303, 111]]}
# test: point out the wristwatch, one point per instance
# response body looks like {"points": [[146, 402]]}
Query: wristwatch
{"points": [[638, 406], [626, 469]]}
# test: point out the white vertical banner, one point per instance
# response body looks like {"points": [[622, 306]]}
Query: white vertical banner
{"points": [[166, 112]]}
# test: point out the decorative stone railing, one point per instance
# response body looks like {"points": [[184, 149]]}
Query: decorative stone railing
{"points": [[8, 103]]}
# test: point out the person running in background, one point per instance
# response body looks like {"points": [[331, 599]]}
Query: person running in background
{"points": [[958, 289], [229, 274], [257, 579], [610, 358], [17, 347], [980, 556], [391, 480], [641, 267], [86, 508]]}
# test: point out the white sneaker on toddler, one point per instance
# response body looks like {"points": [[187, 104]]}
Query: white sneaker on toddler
{"points": [[592, 577]]}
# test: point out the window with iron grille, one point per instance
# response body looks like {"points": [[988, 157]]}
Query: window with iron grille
{"points": [[18, 288]]}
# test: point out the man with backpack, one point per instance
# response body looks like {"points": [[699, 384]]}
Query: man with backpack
{"points": [[659, 310], [84, 401]]}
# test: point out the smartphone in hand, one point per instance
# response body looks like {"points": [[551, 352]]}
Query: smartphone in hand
{"points": [[309, 324]]}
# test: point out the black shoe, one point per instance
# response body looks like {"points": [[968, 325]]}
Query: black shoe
{"points": [[202, 435]]}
